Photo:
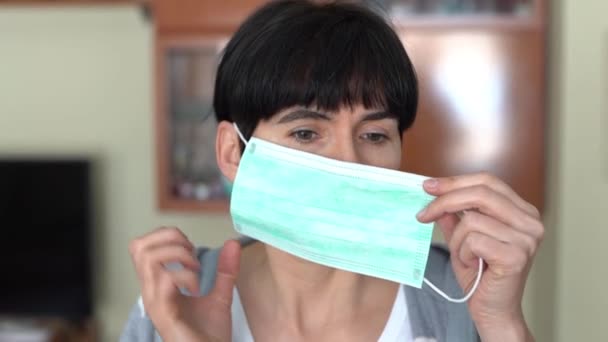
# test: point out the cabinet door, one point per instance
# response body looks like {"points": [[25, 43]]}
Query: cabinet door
{"points": [[482, 106], [189, 178]]}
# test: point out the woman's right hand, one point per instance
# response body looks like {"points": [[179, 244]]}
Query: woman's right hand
{"points": [[176, 317]]}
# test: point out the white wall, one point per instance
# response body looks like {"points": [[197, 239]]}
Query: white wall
{"points": [[79, 81]]}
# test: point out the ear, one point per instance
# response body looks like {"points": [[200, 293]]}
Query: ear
{"points": [[227, 150]]}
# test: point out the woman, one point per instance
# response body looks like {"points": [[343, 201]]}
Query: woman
{"points": [[334, 80]]}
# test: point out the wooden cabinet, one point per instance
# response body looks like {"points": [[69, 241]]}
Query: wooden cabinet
{"points": [[482, 78], [482, 105], [189, 37], [201, 17], [48, 329], [188, 177]]}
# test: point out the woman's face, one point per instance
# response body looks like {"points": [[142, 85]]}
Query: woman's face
{"points": [[355, 135]]}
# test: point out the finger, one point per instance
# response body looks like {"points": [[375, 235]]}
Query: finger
{"points": [[479, 197], [476, 222], [163, 302], [172, 254], [447, 223], [227, 271], [440, 186], [157, 289], [154, 261], [159, 237], [502, 259], [166, 288], [168, 285], [187, 279]]}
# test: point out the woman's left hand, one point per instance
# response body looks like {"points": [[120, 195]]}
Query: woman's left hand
{"points": [[497, 225]]}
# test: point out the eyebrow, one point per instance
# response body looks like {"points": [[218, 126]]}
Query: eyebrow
{"points": [[379, 116], [300, 114]]}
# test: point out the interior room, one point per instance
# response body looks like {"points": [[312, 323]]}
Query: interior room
{"points": [[107, 132]]}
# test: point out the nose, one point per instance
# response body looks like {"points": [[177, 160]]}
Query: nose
{"points": [[344, 149]]}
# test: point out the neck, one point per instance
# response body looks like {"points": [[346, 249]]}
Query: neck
{"points": [[306, 297]]}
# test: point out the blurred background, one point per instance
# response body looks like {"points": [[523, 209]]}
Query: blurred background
{"points": [[106, 132]]}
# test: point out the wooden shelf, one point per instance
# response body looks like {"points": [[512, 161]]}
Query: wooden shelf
{"points": [[56, 329], [53, 3], [200, 16], [73, 2], [536, 20], [178, 204], [485, 22]]}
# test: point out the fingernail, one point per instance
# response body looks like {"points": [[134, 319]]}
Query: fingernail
{"points": [[431, 183], [421, 213]]}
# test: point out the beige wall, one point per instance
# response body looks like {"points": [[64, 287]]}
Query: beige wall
{"points": [[78, 81], [581, 104]]}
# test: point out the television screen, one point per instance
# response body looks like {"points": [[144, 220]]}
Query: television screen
{"points": [[45, 238]]}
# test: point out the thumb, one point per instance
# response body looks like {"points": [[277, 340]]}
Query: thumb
{"points": [[227, 271]]}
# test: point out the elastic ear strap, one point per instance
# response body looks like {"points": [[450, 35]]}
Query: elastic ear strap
{"points": [[238, 131], [465, 298]]}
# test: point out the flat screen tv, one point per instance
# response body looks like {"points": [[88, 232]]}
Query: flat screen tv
{"points": [[45, 235]]}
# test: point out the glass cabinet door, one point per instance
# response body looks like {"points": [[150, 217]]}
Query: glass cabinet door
{"points": [[189, 124]]}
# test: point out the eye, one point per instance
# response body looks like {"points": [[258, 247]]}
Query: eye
{"points": [[375, 138], [304, 135]]}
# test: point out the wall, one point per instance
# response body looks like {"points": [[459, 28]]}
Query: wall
{"points": [[580, 103], [79, 82]]}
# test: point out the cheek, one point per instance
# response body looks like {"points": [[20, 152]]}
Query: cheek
{"points": [[388, 157]]}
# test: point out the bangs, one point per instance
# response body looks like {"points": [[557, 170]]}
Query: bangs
{"points": [[330, 57], [343, 67]]}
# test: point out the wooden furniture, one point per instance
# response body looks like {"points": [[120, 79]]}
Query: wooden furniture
{"points": [[482, 80], [65, 331], [47, 329], [72, 2], [482, 104], [189, 36], [188, 178], [201, 17]]}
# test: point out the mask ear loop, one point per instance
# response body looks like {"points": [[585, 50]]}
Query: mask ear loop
{"points": [[471, 292], [465, 298], [238, 131]]}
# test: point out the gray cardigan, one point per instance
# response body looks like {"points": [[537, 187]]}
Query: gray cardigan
{"points": [[432, 317]]}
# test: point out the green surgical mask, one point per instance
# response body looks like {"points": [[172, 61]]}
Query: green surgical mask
{"points": [[343, 215]]}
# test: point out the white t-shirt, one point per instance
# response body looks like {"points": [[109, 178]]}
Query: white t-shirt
{"points": [[397, 327]]}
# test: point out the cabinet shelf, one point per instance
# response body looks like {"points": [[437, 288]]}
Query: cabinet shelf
{"points": [[488, 22]]}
